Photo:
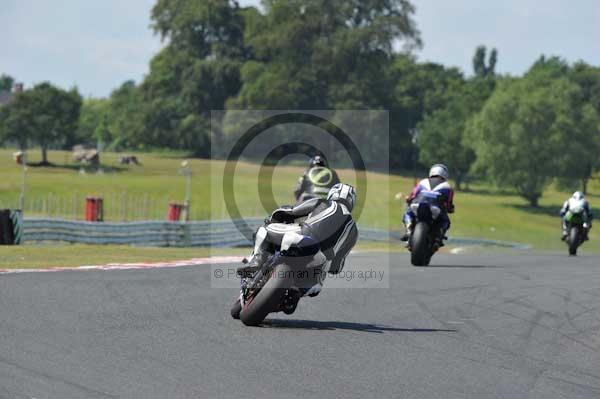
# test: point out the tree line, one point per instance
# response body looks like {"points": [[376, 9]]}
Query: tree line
{"points": [[520, 132]]}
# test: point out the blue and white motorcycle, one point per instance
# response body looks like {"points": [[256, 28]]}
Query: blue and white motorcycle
{"points": [[424, 240]]}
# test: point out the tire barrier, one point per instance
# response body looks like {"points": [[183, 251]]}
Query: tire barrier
{"points": [[219, 233], [149, 233], [10, 227]]}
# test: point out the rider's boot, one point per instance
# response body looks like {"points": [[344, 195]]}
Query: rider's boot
{"points": [[259, 255], [440, 237], [586, 230], [407, 232], [254, 263], [565, 231], [439, 242], [564, 234], [314, 290]]}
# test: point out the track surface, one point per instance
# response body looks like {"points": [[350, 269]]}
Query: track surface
{"points": [[489, 326]]}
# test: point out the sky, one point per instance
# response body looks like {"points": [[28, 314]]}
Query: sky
{"points": [[97, 45]]}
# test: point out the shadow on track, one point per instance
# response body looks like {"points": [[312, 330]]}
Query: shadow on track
{"points": [[341, 325], [463, 266]]}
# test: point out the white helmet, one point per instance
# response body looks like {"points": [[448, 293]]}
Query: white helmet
{"points": [[344, 193], [439, 170], [578, 195]]}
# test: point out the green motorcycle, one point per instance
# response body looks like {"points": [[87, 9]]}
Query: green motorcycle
{"points": [[576, 229]]}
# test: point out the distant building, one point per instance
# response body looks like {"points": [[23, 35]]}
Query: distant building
{"points": [[6, 96]]}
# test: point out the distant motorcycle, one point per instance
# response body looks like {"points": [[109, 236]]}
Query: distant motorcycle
{"points": [[576, 228], [423, 242], [280, 281]]}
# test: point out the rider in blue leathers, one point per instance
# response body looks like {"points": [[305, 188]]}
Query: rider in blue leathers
{"points": [[436, 184]]}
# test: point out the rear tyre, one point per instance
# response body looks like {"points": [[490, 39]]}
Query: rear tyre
{"points": [[268, 298], [236, 309], [419, 244], [573, 240]]}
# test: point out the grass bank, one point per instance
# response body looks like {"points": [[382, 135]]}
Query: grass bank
{"points": [[143, 192], [46, 256]]}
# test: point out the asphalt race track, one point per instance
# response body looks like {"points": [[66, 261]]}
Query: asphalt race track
{"points": [[520, 325]]}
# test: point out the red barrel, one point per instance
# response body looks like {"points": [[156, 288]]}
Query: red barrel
{"points": [[174, 212], [94, 211]]}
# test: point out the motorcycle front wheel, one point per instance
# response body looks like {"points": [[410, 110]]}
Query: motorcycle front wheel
{"points": [[419, 245], [574, 240]]}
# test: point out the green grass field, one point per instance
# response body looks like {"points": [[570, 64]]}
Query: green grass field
{"points": [[143, 192]]}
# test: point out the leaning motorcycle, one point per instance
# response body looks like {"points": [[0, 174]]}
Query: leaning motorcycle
{"points": [[281, 280], [423, 242], [575, 228]]}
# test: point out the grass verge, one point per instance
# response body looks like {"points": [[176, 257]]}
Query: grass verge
{"points": [[143, 192], [42, 256], [47, 256]]}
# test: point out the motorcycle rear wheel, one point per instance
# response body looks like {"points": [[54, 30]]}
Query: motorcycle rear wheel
{"points": [[420, 246], [236, 308], [268, 298]]}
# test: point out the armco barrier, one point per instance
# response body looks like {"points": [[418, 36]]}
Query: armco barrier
{"points": [[150, 233], [220, 233]]}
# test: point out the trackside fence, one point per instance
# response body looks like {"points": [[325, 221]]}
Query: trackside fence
{"points": [[219, 233], [150, 233]]}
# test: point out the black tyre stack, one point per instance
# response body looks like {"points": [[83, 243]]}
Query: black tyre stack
{"points": [[7, 236], [11, 226]]}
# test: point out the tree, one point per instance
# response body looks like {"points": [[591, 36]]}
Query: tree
{"points": [[45, 115], [549, 68], [196, 72], [582, 143], [17, 121], [581, 140], [94, 111], [125, 112], [480, 68], [102, 133], [211, 28], [442, 139], [6, 82], [57, 114], [519, 134], [418, 89], [325, 54]]}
